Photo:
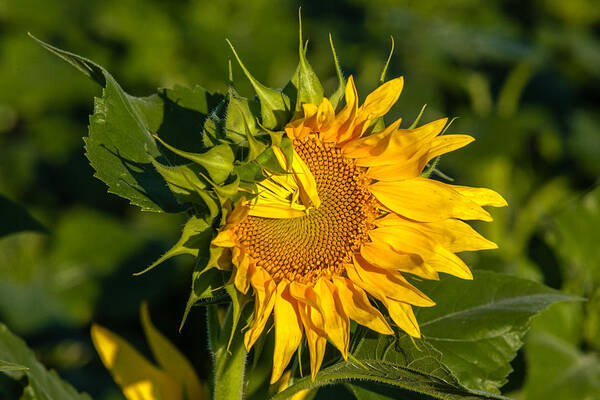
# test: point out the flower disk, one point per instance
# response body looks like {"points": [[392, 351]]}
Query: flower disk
{"points": [[303, 249]]}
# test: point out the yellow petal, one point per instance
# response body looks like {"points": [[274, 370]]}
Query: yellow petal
{"points": [[288, 329], [264, 300], [243, 272], [408, 239], [170, 359], [384, 283], [481, 196], [224, 239], [447, 143], [325, 114], [371, 145], [427, 200], [304, 293], [315, 335], [403, 316], [342, 124], [400, 169], [358, 307], [137, 377], [380, 101], [403, 144], [381, 255], [452, 234], [335, 319]]}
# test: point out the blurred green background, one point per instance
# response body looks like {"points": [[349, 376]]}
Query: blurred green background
{"points": [[523, 78]]}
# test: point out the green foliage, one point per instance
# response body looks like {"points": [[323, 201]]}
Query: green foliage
{"points": [[18, 360], [16, 219], [479, 334]]}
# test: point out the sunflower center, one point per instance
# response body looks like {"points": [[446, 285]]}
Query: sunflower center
{"points": [[303, 249]]}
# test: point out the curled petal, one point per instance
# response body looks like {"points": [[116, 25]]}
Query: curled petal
{"points": [[288, 329], [358, 307], [335, 319], [264, 300]]}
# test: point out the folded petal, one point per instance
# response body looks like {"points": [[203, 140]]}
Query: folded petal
{"points": [[358, 307], [403, 316], [316, 337], [264, 301], [481, 196], [384, 283], [335, 319], [382, 255], [288, 329]]}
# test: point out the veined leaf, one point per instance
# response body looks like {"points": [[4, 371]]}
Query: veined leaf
{"points": [[383, 373], [120, 145], [45, 384], [478, 325]]}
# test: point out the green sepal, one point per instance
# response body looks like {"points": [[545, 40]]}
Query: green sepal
{"points": [[187, 184], [416, 121], [218, 161], [379, 123], [336, 97], [228, 191], [207, 286], [238, 302], [274, 104], [195, 234], [304, 83], [432, 165]]}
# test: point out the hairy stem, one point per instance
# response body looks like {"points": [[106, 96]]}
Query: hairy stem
{"points": [[228, 366]]}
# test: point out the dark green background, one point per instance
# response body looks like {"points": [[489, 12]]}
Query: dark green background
{"points": [[523, 78]]}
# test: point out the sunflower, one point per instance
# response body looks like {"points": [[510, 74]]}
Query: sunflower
{"points": [[352, 217]]}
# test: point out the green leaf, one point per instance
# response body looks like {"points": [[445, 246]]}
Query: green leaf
{"points": [[15, 218], [478, 325], [557, 368], [46, 384], [307, 86], [120, 145], [383, 373]]}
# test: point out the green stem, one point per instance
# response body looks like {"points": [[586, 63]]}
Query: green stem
{"points": [[228, 367]]}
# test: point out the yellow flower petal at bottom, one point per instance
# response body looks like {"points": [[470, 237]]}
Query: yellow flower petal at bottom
{"points": [[358, 307], [384, 283], [137, 377], [384, 256], [288, 329], [335, 319], [315, 336], [264, 294]]}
